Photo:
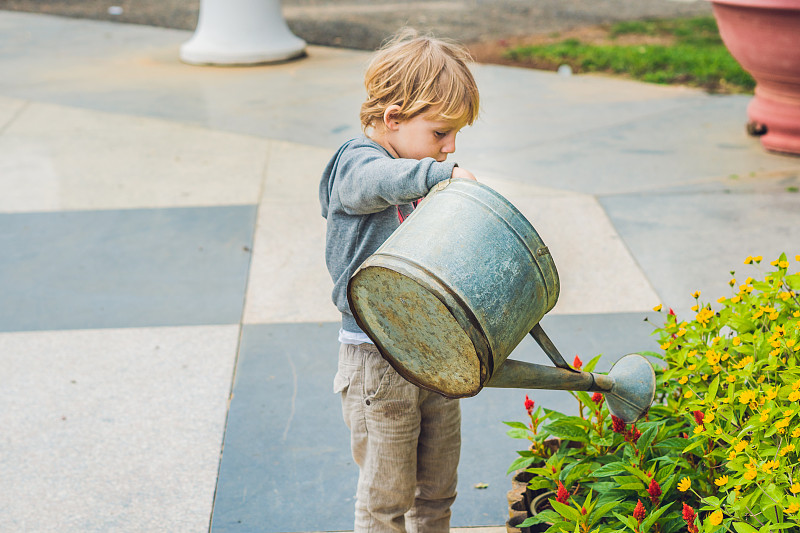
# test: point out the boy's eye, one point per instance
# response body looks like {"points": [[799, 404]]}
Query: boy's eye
{"points": [[440, 134]]}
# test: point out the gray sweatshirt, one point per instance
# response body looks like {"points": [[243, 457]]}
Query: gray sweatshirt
{"points": [[360, 187]]}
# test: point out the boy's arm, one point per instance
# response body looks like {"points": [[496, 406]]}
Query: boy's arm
{"points": [[369, 182]]}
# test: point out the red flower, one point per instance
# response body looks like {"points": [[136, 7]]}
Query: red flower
{"points": [[598, 398], [583, 510], [577, 363], [671, 312], [639, 512], [698, 417], [617, 424], [528, 404], [562, 494], [634, 434], [689, 517], [654, 490]]}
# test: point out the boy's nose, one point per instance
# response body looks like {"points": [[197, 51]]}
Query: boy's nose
{"points": [[449, 147]]}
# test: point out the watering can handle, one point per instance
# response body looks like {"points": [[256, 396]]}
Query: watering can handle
{"points": [[549, 348]]}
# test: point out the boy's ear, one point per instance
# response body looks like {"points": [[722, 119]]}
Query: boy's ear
{"points": [[390, 120]]}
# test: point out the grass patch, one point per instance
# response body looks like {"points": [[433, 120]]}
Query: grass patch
{"points": [[674, 51]]}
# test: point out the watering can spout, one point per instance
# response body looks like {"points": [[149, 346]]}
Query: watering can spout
{"points": [[628, 388]]}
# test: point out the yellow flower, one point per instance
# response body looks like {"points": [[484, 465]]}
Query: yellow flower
{"points": [[797, 258], [783, 264], [698, 430], [718, 431], [757, 258], [764, 416], [688, 394], [795, 488], [794, 396], [796, 432], [683, 380], [774, 315], [736, 299], [769, 466], [721, 299], [731, 455], [715, 518], [749, 260], [691, 353], [737, 341], [695, 307], [747, 396], [684, 484], [696, 294], [730, 379], [741, 445], [681, 332], [708, 417], [658, 307], [770, 393], [760, 378], [720, 481], [691, 367], [786, 449], [780, 424], [666, 345], [750, 475], [793, 508], [732, 282], [790, 343], [796, 385], [775, 352]]}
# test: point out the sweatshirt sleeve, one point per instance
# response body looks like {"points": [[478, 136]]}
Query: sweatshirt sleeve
{"points": [[369, 181]]}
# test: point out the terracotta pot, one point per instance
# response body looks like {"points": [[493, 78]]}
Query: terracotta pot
{"points": [[764, 37]]}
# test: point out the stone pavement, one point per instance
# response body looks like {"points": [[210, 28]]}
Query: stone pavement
{"points": [[166, 335]]}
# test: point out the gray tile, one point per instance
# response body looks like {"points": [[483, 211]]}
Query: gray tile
{"points": [[287, 466], [689, 242], [140, 267]]}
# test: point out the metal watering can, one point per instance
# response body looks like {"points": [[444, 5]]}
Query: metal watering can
{"points": [[458, 286]]}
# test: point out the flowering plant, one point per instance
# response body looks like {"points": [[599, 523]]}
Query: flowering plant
{"points": [[735, 372], [717, 449]]}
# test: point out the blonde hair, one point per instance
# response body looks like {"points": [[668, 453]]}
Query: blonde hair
{"points": [[420, 74]]}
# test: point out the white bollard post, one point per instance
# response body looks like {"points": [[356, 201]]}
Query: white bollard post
{"points": [[241, 32]]}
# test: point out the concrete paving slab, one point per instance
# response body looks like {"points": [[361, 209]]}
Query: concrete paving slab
{"points": [[597, 272], [688, 242], [113, 430], [105, 269], [287, 467], [667, 147], [61, 158]]}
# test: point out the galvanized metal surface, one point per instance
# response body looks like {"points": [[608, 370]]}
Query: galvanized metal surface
{"points": [[469, 248], [455, 289]]}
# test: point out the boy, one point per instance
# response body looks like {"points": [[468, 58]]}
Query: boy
{"points": [[405, 440]]}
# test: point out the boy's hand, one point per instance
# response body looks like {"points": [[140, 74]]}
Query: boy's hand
{"points": [[459, 172]]}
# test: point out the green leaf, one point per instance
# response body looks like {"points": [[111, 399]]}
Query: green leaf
{"points": [[711, 394], [627, 520], [602, 511], [652, 517], [611, 469], [566, 429], [695, 444], [516, 433], [566, 511], [638, 473], [589, 367], [520, 462], [743, 527], [519, 425]]}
